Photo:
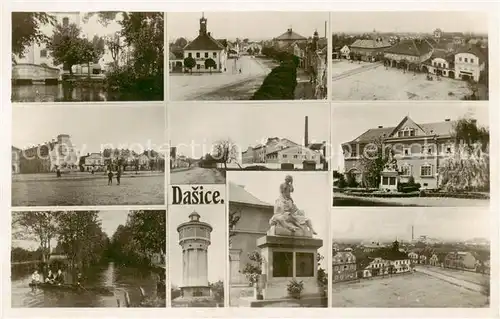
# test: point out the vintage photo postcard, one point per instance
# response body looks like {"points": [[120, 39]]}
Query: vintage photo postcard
{"points": [[87, 56], [408, 257], [209, 140], [247, 55], [198, 255], [278, 239], [397, 56], [88, 259], [88, 155], [432, 154]]}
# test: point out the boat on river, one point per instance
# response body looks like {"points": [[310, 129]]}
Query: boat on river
{"points": [[74, 288]]}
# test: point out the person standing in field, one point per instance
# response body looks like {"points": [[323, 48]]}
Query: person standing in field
{"points": [[110, 177], [118, 176]]}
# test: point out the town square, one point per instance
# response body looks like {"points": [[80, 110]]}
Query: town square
{"points": [[392, 56], [226, 56]]}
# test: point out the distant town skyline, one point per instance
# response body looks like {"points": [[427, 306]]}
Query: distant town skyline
{"points": [[254, 26], [387, 225], [92, 128], [410, 21]]}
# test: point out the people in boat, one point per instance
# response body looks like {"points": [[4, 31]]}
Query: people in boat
{"points": [[35, 278], [50, 277], [59, 278]]}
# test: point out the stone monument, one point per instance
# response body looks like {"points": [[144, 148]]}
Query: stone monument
{"points": [[289, 250]]}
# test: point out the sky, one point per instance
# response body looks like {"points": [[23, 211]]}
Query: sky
{"points": [[265, 186], [215, 215], [390, 224], [416, 21], [136, 127], [110, 220], [251, 25], [351, 120], [246, 125]]}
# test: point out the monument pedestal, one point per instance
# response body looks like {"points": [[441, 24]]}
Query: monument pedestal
{"points": [[287, 256], [196, 291]]}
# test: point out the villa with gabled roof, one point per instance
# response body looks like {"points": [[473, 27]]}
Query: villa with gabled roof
{"points": [[419, 149]]}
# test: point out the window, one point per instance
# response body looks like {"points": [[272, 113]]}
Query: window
{"points": [[354, 152], [448, 149], [190, 54], [412, 132], [392, 181], [214, 54], [465, 59], [460, 59], [426, 170], [65, 22], [385, 180], [197, 54], [295, 156], [471, 60], [406, 151], [406, 133], [215, 66], [406, 170], [400, 134], [43, 53], [206, 54]]}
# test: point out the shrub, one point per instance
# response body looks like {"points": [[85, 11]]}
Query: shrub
{"points": [[281, 82], [295, 288], [127, 80]]}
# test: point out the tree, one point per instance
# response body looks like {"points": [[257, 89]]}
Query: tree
{"points": [[250, 51], [373, 160], [225, 151], [103, 17], [217, 289], [234, 218], [180, 42], [36, 225], [98, 44], [26, 30], [189, 63], [467, 167], [68, 48], [210, 64], [148, 230], [113, 43]]}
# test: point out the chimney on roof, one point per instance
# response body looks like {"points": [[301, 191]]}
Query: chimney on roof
{"points": [[446, 120], [380, 126], [289, 30], [306, 132]]}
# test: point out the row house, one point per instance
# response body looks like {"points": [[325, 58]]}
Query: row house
{"points": [[205, 47], [369, 49], [460, 260], [258, 153], [380, 267], [344, 266], [419, 150], [295, 155], [410, 52], [417, 257], [93, 162]]}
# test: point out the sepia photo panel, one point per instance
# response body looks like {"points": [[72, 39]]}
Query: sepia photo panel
{"points": [[88, 258], [278, 236], [87, 56]]}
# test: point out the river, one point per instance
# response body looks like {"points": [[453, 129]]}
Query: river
{"points": [[122, 279], [69, 93]]}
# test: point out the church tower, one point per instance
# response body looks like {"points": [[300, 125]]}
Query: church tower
{"points": [[203, 24]]}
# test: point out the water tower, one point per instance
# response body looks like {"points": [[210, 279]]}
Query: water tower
{"points": [[194, 238]]}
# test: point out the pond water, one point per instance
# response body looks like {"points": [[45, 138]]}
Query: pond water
{"points": [[119, 278]]}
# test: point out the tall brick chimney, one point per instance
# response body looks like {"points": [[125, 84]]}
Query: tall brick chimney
{"points": [[306, 133]]}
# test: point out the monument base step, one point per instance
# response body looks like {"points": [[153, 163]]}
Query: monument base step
{"points": [[310, 300]]}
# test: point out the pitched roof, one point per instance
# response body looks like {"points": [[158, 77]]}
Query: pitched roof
{"points": [[238, 194], [413, 47], [316, 146], [204, 42], [223, 42], [448, 56], [15, 149], [438, 128], [472, 50], [370, 44], [290, 35]]}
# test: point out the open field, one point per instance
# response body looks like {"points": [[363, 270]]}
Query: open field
{"points": [[412, 290], [87, 190], [378, 83], [464, 275]]}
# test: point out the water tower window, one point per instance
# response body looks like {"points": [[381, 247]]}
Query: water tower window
{"points": [[43, 53], [65, 22]]}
